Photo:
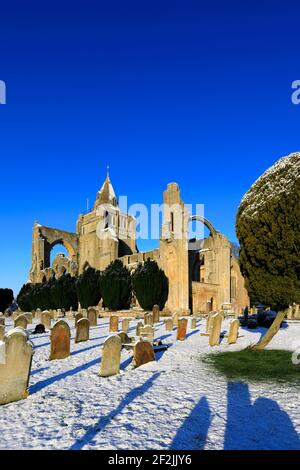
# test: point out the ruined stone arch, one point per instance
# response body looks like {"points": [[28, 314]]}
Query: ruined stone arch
{"points": [[206, 222]]}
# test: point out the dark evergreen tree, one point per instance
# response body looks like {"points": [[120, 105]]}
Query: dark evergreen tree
{"points": [[268, 229], [88, 288], [6, 299], [116, 286], [150, 285]]}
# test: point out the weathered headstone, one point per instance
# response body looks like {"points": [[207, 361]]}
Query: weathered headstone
{"points": [[155, 312], [15, 371], [46, 320], [125, 325], [78, 317], [21, 321], [2, 332], [143, 353], [92, 316], [60, 340], [209, 322], [147, 332], [175, 318], [114, 324], [139, 325], [148, 319], [193, 323], [82, 330], [84, 312], [214, 337], [16, 314], [29, 318], [125, 339], [169, 324], [181, 329], [233, 331], [111, 356]]}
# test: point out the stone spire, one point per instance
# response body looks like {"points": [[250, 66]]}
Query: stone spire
{"points": [[106, 195]]}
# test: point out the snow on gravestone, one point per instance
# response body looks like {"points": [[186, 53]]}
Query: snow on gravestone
{"points": [[78, 317], [15, 366], [143, 353], [60, 341], [214, 337], [82, 330], [155, 312], [125, 325], [92, 316], [21, 321], [147, 332], [46, 319], [181, 329], [114, 324], [111, 356], [169, 324], [233, 331]]}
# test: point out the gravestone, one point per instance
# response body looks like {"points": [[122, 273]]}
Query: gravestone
{"points": [[16, 314], [214, 337], [21, 321], [60, 341], [193, 323], [148, 319], [78, 317], [84, 312], [114, 324], [111, 356], [46, 319], [209, 322], [2, 332], [181, 329], [139, 325], [175, 319], [125, 339], [143, 353], [125, 325], [82, 330], [38, 314], [2, 320], [33, 314], [233, 331], [155, 312], [15, 371], [92, 316], [147, 332], [29, 318], [169, 324]]}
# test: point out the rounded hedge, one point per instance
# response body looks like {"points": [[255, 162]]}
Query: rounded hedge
{"points": [[150, 285], [268, 229]]}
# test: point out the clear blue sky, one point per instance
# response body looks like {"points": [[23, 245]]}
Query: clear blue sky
{"points": [[187, 91]]}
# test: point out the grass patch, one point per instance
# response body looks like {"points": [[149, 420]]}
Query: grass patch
{"points": [[260, 366]]}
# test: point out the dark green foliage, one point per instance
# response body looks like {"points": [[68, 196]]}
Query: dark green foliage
{"points": [[268, 229], [88, 288], [116, 286], [150, 285], [6, 299], [261, 366]]}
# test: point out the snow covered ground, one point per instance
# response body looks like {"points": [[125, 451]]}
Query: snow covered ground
{"points": [[177, 402]]}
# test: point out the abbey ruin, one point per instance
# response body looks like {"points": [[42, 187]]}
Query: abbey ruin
{"points": [[204, 278]]}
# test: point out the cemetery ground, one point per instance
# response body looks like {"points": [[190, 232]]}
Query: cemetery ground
{"points": [[180, 401]]}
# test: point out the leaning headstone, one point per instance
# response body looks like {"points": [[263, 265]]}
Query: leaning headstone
{"points": [[175, 318], [21, 321], [82, 330], [169, 324], [193, 323], [181, 329], [92, 316], [155, 312], [143, 353], [2, 332], [114, 324], [148, 319], [78, 317], [29, 318], [46, 320], [125, 325], [233, 331], [139, 325], [111, 356], [214, 337], [147, 332], [60, 340], [15, 368]]}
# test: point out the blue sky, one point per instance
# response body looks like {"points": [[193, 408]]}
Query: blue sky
{"points": [[187, 91]]}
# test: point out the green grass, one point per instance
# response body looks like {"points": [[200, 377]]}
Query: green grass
{"points": [[260, 366]]}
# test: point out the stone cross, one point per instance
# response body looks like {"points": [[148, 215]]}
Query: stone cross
{"points": [[111, 356], [214, 337], [143, 353], [46, 319], [155, 312], [82, 330], [21, 321], [92, 316], [125, 325], [114, 324], [14, 373], [60, 340], [169, 324], [233, 331], [181, 329]]}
